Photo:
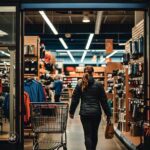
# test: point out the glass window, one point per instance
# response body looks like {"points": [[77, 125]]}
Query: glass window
{"points": [[7, 72]]}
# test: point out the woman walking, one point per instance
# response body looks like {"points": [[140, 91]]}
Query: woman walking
{"points": [[92, 95]]}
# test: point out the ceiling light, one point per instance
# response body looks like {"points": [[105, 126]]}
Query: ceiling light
{"points": [[83, 56], [48, 22], [108, 56], [86, 19], [68, 35], [89, 50], [4, 53], [71, 57], [2, 33], [63, 43], [52, 28], [89, 41], [121, 44], [63, 54], [7, 9]]}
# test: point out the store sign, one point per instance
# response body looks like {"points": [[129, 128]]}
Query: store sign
{"points": [[109, 45]]}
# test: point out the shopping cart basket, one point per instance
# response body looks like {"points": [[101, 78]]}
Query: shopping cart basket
{"points": [[49, 121]]}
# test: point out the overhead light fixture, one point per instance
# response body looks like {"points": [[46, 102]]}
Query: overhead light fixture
{"points": [[48, 22], [63, 54], [7, 9], [52, 28], [108, 56], [63, 43], [89, 50], [89, 41], [83, 56], [4, 53], [2, 33], [85, 19], [71, 57], [121, 44]]}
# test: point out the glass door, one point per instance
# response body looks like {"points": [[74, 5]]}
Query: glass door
{"points": [[9, 137]]}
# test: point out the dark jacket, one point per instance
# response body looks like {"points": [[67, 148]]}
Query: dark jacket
{"points": [[91, 99]]}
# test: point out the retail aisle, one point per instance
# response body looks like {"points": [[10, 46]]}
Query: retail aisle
{"points": [[76, 140]]}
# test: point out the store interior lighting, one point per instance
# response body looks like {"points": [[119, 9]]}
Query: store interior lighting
{"points": [[121, 44], [83, 56], [2, 33], [85, 19], [108, 56], [4, 53], [49, 23], [63, 43], [71, 57], [89, 41], [89, 50]]}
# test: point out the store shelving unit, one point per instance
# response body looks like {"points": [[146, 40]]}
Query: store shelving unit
{"points": [[108, 77], [134, 94], [31, 56]]}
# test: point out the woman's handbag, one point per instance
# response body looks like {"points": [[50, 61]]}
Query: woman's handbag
{"points": [[109, 131]]}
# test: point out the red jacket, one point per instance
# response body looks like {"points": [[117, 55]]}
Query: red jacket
{"points": [[27, 107]]}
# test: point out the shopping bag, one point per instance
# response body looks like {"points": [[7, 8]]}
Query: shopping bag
{"points": [[109, 131]]}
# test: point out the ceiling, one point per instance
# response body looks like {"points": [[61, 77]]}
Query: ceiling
{"points": [[75, 17], [116, 25]]}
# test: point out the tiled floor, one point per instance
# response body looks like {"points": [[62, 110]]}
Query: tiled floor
{"points": [[76, 140]]}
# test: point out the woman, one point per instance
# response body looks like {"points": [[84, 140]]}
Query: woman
{"points": [[92, 95]]}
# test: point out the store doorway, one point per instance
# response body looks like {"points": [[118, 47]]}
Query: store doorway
{"points": [[55, 43]]}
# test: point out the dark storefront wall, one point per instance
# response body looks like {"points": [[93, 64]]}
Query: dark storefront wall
{"points": [[52, 4]]}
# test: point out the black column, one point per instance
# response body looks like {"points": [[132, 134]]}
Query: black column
{"points": [[19, 79]]}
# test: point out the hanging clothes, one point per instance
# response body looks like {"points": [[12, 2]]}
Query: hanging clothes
{"points": [[27, 107], [35, 91]]}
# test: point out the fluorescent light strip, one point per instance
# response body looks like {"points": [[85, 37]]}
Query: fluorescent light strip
{"points": [[89, 50], [2, 33], [108, 56], [52, 28], [83, 56], [5, 53], [71, 57], [89, 41], [122, 44], [48, 22], [63, 43]]}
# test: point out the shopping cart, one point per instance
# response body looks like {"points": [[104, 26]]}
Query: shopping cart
{"points": [[49, 121]]}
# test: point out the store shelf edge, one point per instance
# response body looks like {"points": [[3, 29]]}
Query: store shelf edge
{"points": [[126, 141]]}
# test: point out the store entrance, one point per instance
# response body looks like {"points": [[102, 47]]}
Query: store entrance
{"points": [[62, 42]]}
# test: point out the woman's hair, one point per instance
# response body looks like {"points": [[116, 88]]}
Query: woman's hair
{"points": [[88, 70]]}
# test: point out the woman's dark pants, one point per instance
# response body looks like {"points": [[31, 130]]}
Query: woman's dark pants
{"points": [[90, 126]]}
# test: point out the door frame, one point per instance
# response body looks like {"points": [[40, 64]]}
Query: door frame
{"points": [[25, 5]]}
